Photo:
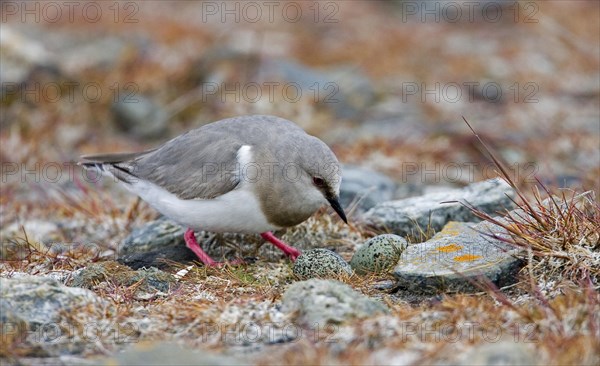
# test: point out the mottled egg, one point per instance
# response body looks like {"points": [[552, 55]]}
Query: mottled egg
{"points": [[378, 254], [320, 263]]}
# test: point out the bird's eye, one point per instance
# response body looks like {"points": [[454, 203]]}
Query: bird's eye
{"points": [[318, 181]]}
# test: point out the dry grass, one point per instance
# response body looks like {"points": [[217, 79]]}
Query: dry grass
{"points": [[554, 308]]}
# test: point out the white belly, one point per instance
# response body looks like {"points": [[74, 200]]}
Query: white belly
{"points": [[237, 211]]}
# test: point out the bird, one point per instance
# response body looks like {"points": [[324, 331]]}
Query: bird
{"points": [[244, 174]]}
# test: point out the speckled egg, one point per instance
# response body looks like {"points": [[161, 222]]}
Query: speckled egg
{"points": [[320, 263], [378, 254]]}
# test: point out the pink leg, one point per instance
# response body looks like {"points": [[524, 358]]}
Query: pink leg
{"points": [[291, 252], [192, 244]]}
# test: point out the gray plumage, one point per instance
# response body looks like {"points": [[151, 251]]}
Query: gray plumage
{"points": [[205, 163]]}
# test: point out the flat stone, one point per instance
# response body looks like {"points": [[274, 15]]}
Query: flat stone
{"points": [[412, 216], [365, 186], [455, 258], [322, 263], [318, 302]]}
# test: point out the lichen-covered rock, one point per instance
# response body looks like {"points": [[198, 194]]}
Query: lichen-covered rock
{"points": [[455, 258], [411, 216], [321, 263], [378, 254], [318, 302]]}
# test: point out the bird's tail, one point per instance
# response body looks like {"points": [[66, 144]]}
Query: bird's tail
{"points": [[119, 165]]}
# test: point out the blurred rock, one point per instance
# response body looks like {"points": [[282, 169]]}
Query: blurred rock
{"points": [[139, 116], [98, 52], [412, 216], [500, 353], [21, 54], [389, 118], [15, 247], [346, 90], [322, 263], [148, 281], [378, 254], [167, 353], [317, 302], [365, 186], [455, 258], [36, 311]]}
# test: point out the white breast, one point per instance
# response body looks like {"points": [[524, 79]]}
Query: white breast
{"points": [[236, 211]]}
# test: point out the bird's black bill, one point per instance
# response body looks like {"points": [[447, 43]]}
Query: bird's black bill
{"points": [[333, 201]]}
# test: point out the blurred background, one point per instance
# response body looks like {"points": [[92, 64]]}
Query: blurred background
{"points": [[386, 84]]}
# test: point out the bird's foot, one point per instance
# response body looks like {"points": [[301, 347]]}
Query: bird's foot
{"points": [[290, 251], [192, 244]]}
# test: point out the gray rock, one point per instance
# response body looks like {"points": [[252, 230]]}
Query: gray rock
{"points": [[40, 300], [346, 90], [317, 302], [153, 243], [147, 281], [161, 241], [501, 353], [412, 216], [388, 119], [365, 186], [320, 263], [166, 353], [36, 311], [21, 53], [139, 115], [378, 254], [456, 258]]}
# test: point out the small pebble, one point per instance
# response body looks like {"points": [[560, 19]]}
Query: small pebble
{"points": [[321, 263], [378, 254]]}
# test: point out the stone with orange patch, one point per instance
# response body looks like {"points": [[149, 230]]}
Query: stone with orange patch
{"points": [[450, 248], [451, 262], [467, 258]]}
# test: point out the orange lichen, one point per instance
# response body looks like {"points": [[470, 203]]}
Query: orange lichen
{"points": [[450, 248], [467, 258]]}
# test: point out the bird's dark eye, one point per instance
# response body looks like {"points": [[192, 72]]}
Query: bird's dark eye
{"points": [[318, 181]]}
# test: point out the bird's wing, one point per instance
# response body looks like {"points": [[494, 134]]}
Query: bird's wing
{"points": [[200, 164]]}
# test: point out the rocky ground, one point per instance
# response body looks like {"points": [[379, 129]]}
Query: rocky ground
{"points": [[462, 247]]}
